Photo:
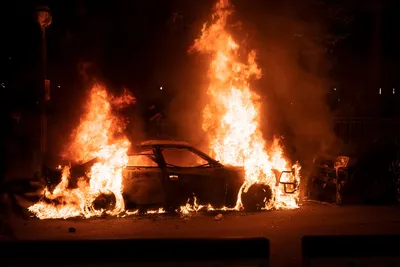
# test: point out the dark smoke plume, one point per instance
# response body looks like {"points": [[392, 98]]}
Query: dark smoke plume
{"points": [[290, 40]]}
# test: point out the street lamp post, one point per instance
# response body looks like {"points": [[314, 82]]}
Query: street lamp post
{"points": [[44, 18]]}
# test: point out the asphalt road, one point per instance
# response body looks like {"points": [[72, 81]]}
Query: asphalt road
{"points": [[283, 228]]}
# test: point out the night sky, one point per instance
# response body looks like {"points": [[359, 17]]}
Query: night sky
{"points": [[142, 45]]}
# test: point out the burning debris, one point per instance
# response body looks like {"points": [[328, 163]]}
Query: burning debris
{"points": [[218, 217], [231, 118]]}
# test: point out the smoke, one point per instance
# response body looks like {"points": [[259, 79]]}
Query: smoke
{"points": [[84, 70], [185, 112], [70, 102], [291, 50], [186, 74]]}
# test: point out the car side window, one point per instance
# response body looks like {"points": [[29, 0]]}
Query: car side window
{"points": [[178, 157], [144, 159]]}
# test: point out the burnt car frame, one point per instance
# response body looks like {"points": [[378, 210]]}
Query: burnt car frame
{"points": [[166, 174], [329, 176], [367, 177]]}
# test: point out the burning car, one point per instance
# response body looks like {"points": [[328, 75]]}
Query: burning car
{"points": [[165, 174]]}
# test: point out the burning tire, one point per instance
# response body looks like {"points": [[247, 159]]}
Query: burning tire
{"points": [[105, 202], [256, 197]]}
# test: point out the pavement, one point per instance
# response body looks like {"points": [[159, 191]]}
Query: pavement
{"points": [[284, 228]]}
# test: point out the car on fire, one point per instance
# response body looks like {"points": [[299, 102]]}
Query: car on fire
{"points": [[166, 174]]}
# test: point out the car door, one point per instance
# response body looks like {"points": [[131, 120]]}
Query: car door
{"points": [[189, 174], [143, 180]]}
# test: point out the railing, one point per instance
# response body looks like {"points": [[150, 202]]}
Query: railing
{"points": [[362, 129]]}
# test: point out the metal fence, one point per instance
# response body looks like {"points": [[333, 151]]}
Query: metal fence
{"points": [[359, 130]]}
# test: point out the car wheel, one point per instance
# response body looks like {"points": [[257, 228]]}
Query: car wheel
{"points": [[105, 202], [256, 197]]}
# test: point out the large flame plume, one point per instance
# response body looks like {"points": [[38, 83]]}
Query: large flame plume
{"points": [[231, 118], [99, 136]]}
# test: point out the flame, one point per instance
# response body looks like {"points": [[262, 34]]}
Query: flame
{"points": [[231, 118], [189, 208], [99, 136]]}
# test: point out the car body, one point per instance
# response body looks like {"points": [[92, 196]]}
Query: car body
{"points": [[167, 173]]}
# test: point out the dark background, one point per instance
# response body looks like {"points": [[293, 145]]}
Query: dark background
{"points": [[320, 60]]}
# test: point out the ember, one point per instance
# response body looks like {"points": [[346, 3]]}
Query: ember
{"points": [[231, 118]]}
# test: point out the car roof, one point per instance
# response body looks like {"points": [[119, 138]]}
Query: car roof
{"points": [[164, 143], [168, 143]]}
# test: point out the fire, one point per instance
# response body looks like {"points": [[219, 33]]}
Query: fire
{"points": [[195, 207], [99, 136], [231, 118]]}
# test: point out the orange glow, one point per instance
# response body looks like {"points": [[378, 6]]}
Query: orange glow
{"points": [[231, 118], [99, 136]]}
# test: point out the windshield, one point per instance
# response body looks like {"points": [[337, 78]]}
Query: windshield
{"points": [[142, 159], [182, 157]]}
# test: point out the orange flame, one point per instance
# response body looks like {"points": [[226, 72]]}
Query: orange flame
{"points": [[231, 119], [99, 136]]}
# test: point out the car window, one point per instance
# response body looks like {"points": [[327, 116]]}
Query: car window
{"points": [[182, 158], [143, 159]]}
